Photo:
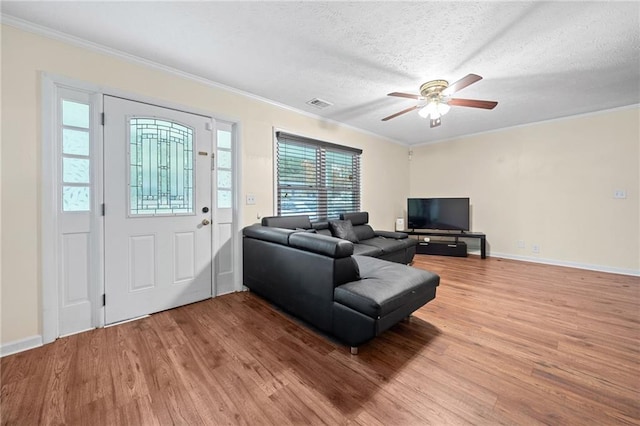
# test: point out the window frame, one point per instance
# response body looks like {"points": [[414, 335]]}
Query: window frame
{"points": [[319, 185]]}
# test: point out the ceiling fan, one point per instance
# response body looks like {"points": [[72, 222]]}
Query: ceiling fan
{"points": [[435, 99]]}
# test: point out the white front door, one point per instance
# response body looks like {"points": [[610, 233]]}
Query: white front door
{"points": [[158, 208]]}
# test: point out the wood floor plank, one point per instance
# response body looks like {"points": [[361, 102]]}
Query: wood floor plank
{"points": [[504, 342]]}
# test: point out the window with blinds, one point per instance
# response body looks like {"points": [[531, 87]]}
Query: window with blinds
{"points": [[316, 178]]}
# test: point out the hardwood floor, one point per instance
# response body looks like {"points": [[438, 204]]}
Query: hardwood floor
{"points": [[504, 342]]}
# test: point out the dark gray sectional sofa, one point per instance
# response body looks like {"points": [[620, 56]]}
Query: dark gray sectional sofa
{"points": [[387, 245], [317, 278]]}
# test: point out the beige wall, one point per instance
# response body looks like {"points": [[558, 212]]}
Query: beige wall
{"points": [[25, 55], [550, 184]]}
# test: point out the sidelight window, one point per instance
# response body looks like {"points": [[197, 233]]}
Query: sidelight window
{"points": [[76, 170], [224, 169]]}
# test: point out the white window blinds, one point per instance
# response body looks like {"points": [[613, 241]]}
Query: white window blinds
{"points": [[316, 178]]}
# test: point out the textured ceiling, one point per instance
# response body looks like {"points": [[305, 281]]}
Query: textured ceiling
{"points": [[539, 60]]}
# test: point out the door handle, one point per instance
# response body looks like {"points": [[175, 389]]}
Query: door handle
{"points": [[205, 222]]}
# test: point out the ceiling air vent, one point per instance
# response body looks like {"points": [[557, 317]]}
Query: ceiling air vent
{"points": [[319, 103]]}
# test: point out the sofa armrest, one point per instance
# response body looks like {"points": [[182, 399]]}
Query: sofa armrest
{"points": [[392, 234]]}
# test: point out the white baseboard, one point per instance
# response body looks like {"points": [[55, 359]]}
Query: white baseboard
{"points": [[600, 268], [20, 345]]}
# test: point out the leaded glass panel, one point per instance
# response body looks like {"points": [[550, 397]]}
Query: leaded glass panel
{"points": [[161, 167]]}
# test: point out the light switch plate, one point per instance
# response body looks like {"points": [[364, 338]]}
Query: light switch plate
{"points": [[620, 194]]}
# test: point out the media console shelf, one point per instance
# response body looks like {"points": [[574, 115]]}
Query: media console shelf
{"points": [[478, 235]]}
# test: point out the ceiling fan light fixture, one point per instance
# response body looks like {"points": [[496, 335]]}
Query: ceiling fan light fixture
{"points": [[434, 109], [443, 108]]}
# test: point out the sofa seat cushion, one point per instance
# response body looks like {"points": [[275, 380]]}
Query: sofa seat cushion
{"points": [[387, 245], [384, 287], [408, 242], [392, 234], [365, 250]]}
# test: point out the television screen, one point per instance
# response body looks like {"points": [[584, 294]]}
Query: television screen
{"points": [[438, 213]]}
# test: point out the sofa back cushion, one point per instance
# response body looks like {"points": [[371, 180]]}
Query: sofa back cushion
{"points": [[360, 221], [288, 222], [357, 218]]}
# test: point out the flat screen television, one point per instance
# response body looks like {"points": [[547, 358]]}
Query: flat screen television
{"points": [[451, 214]]}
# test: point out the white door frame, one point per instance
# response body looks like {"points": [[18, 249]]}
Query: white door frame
{"points": [[49, 187]]}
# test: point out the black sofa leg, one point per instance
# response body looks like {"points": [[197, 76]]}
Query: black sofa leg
{"points": [[354, 350]]}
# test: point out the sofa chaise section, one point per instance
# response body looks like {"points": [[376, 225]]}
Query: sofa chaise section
{"points": [[316, 278]]}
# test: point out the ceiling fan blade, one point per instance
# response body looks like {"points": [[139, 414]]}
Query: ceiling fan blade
{"points": [[405, 95], [436, 122], [404, 111], [473, 103], [461, 84]]}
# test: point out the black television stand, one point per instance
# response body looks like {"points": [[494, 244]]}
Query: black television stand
{"points": [[457, 234]]}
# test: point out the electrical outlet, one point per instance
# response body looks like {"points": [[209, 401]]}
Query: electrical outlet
{"points": [[251, 199], [521, 244], [620, 194], [535, 248]]}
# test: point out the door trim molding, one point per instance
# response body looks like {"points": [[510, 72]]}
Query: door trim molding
{"points": [[237, 205], [48, 223], [49, 285]]}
